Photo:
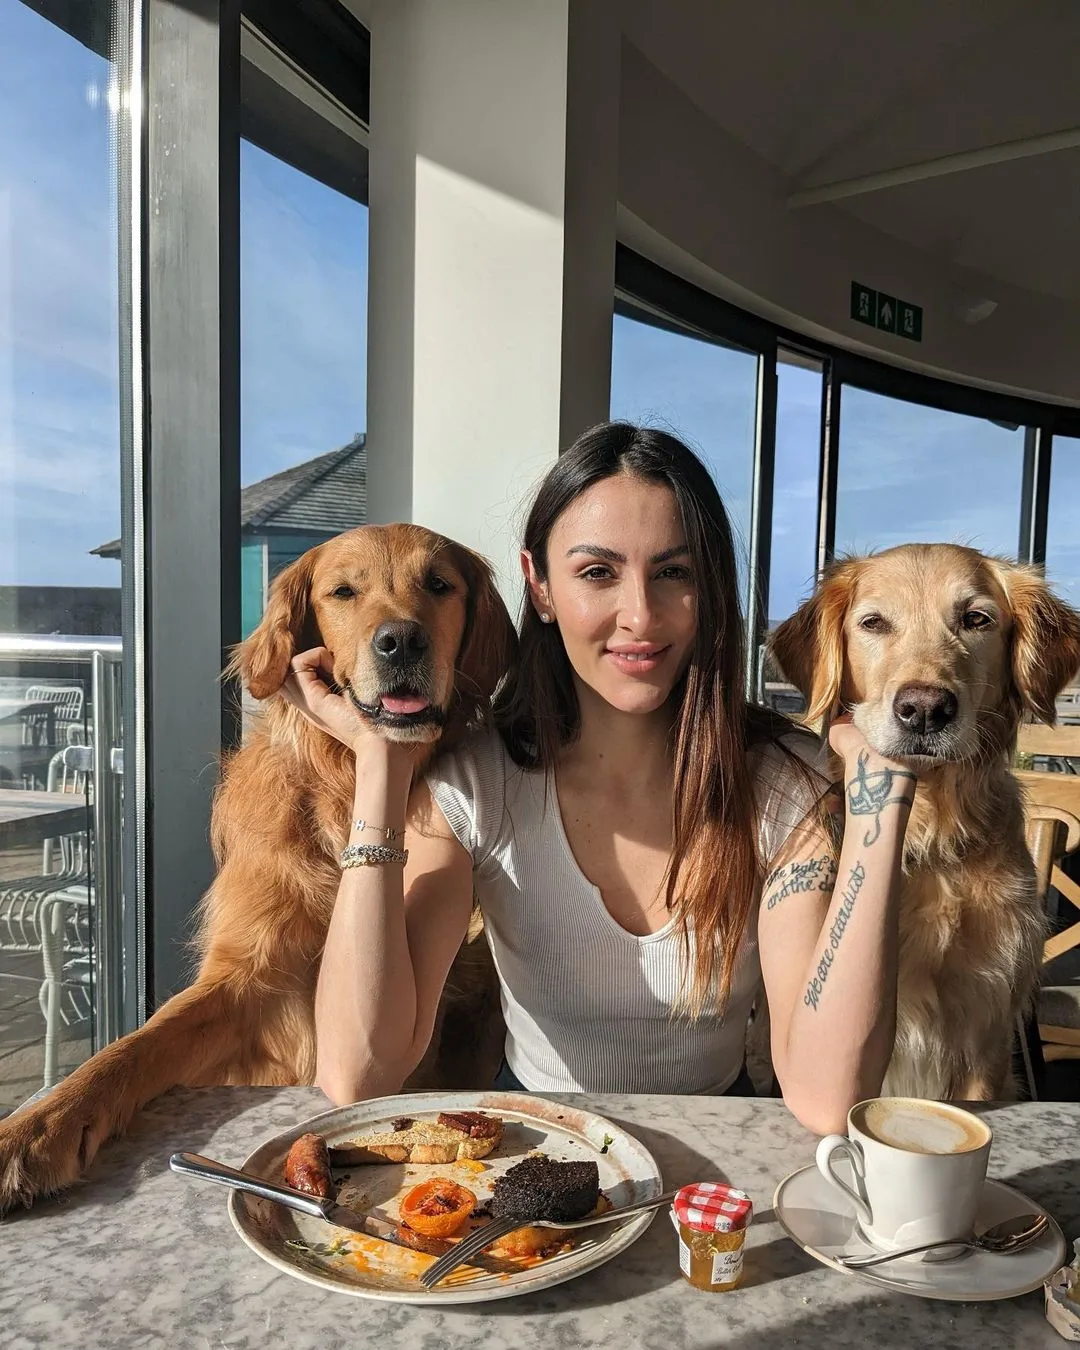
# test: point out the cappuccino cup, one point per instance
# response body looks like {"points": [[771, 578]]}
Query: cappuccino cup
{"points": [[917, 1169]]}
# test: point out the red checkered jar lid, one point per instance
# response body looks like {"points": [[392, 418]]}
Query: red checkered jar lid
{"points": [[712, 1207]]}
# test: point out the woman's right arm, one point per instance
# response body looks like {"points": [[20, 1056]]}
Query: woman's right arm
{"points": [[394, 932], [391, 943]]}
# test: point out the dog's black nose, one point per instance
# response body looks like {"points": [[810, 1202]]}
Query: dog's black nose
{"points": [[397, 644], [923, 708]]}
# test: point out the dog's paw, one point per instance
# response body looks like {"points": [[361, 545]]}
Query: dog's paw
{"points": [[44, 1149]]}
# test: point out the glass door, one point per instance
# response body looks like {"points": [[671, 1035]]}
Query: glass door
{"points": [[60, 589]]}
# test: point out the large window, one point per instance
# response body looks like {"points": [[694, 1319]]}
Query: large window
{"points": [[795, 484], [703, 392], [303, 367], [120, 459], [59, 349], [853, 456], [909, 473], [60, 470], [1063, 523]]}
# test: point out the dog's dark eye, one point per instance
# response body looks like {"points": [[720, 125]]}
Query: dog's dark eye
{"points": [[343, 592], [975, 618], [436, 584], [873, 623]]}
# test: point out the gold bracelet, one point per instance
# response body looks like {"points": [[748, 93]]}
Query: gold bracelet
{"points": [[371, 855]]}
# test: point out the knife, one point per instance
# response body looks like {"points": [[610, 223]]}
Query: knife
{"points": [[195, 1165]]}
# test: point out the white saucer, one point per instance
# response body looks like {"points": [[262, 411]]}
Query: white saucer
{"points": [[822, 1222]]}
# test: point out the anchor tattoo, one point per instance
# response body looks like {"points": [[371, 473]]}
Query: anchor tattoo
{"points": [[868, 794]]}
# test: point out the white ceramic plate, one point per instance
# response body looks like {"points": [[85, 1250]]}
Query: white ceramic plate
{"points": [[822, 1221], [369, 1268]]}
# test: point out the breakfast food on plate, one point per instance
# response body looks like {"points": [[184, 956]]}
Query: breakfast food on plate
{"points": [[538, 1188], [473, 1123], [409, 1237], [437, 1212], [307, 1168], [438, 1207], [471, 1135]]}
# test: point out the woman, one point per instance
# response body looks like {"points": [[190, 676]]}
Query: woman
{"points": [[641, 844]]}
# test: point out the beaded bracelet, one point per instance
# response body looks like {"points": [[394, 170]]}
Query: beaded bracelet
{"points": [[371, 855]]}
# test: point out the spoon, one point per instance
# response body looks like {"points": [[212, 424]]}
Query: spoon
{"points": [[1013, 1235]]}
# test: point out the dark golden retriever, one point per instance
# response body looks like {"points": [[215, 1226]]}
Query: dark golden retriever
{"points": [[939, 652], [411, 618]]}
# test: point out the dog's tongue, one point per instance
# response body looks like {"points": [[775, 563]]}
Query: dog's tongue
{"points": [[404, 703]]}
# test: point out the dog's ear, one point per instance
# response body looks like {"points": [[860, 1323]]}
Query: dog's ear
{"points": [[262, 660], [809, 646], [1045, 653], [490, 644]]}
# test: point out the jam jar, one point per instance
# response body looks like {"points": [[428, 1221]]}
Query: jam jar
{"points": [[711, 1219]]}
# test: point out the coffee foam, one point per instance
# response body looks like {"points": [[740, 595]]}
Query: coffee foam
{"points": [[921, 1127]]}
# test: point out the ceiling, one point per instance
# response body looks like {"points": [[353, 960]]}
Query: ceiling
{"points": [[837, 89]]}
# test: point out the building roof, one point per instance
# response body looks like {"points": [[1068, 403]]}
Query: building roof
{"points": [[326, 494]]}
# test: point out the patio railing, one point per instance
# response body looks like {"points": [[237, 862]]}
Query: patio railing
{"points": [[105, 760]]}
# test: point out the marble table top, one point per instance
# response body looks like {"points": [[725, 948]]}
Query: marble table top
{"points": [[138, 1257]]}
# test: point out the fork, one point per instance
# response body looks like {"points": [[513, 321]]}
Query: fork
{"points": [[483, 1236]]}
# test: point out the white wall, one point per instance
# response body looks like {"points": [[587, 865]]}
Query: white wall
{"points": [[493, 171], [699, 202]]}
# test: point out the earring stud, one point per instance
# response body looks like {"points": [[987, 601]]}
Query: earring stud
{"points": [[545, 617]]}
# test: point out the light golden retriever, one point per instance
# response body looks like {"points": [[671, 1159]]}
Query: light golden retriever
{"points": [[411, 618], [939, 652]]}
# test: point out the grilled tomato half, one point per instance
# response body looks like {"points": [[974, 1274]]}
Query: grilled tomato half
{"points": [[437, 1207]]}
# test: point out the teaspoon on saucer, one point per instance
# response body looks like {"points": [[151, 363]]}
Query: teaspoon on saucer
{"points": [[1013, 1235]]}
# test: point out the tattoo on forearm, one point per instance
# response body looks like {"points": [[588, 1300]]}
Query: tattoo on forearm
{"points": [[868, 794], [836, 931], [797, 878]]}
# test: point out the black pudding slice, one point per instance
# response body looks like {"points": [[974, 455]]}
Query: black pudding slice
{"points": [[538, 1188]]}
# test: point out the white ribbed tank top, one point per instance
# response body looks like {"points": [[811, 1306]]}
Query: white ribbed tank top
{"points": [[588, 1005]]}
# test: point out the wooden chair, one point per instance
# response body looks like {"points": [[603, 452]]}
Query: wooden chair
{"points": [[1059, 790], [1052, 810], [1058, 743]]}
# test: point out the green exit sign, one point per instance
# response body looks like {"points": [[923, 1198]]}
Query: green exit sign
{"points": [[886, 312]]}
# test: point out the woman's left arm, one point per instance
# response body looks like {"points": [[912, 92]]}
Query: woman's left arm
{"points": [[828, 935]]}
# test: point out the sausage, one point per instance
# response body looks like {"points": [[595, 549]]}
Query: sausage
{"points": [[409, 1237], [307, 1168]]}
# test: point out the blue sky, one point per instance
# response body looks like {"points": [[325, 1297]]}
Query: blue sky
{"points": [[303, 307], [303, 312], [905, 472]]}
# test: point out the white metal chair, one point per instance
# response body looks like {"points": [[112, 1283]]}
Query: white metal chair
{"points": [[67, 703], [49, 913]]}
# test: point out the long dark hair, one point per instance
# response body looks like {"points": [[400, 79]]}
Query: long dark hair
{"points": [[715, 872]]}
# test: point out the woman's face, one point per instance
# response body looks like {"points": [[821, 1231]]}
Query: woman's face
{"points": [[620, 588]]}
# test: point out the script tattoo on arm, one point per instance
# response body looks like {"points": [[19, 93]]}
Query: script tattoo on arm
{"points": [[836, 931], [799, 878], [868, 794]]}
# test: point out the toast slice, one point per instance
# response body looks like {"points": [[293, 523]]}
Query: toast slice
{"points": [[424, 1141]]}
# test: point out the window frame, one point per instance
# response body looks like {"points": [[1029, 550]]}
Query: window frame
{"points": [[213, 71]]}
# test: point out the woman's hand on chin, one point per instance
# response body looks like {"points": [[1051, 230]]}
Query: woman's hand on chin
{"points": [[310, 688], [854, 749]]}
